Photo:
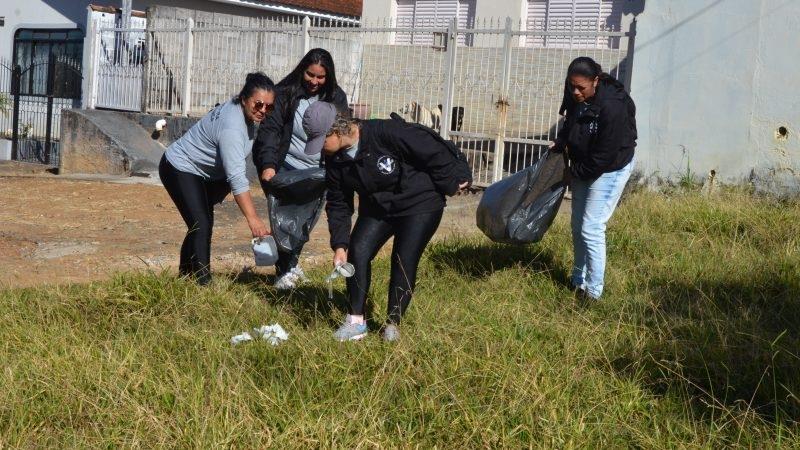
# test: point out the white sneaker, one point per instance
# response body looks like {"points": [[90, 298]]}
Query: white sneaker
{"points": [[290, 279], [301, 276]]}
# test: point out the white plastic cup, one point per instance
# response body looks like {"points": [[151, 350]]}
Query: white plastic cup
{"points": [[265, 251], [346, 270]]}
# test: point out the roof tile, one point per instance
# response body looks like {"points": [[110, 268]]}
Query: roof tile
{"points": [[343, 7]]}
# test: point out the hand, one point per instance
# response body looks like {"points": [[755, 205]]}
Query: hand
{"points": [[267, 174], [257, 227], [556, 148], [339, 257]]}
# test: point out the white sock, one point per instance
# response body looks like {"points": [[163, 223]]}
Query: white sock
{"points": [[354, 319]]}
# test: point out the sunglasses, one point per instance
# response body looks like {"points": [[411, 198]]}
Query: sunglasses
{"points": [[259, 106]]}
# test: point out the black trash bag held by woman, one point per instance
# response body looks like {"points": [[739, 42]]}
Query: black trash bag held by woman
{"points": [[519, 209], [295, 203]]}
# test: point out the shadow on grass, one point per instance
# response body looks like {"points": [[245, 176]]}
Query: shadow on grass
{"points": [[477, 260], [730, 342], [309, 303]]}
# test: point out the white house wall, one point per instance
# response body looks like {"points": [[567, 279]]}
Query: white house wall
{"points": [[38, 14], [713, 82]]}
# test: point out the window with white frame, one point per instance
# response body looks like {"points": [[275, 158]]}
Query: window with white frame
{"points": [[573, 15], [432, 14]]}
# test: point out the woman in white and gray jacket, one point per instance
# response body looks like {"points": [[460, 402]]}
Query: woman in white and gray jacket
{"points": [[208, 162]]}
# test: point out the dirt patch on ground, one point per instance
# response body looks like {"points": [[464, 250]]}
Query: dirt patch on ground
{"points": [[56, 230]]}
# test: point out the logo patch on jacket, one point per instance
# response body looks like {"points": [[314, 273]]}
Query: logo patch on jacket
{"points": [[386, 165], [593, 126]]}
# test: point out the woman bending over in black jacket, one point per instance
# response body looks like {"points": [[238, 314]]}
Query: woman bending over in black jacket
{"points": [[599, 137], [281, 139], [401, 173]]}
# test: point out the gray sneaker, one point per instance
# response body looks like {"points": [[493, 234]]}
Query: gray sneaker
{"points": [[391, 333], [350, 332]]}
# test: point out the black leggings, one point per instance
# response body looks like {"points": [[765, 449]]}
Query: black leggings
{"points": [[195, 198], [411, 236]]}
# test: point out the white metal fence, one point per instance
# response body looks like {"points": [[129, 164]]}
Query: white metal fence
{"points": [[494, 87], [119, 56]]}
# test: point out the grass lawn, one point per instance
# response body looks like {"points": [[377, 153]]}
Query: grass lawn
{"points": [[694, 345]]}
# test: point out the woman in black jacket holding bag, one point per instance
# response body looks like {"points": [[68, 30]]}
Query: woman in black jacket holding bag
{"points": [[401, 173], [599, 137], [281, 139]]}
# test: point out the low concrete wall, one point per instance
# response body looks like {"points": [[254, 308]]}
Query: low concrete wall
{"points": [[86, 149], [120, 143], [176, 126], [106, 142]]}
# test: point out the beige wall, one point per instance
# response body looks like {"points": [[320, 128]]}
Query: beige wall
{"points": [[378, 9], [515, 9], [376, 13]]}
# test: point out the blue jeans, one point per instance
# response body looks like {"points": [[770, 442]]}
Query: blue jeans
{"points": [[593, 203]]}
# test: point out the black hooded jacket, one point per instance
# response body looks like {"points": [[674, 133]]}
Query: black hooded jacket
{"points": [[599, 137], [275, 133], [399, 170]]}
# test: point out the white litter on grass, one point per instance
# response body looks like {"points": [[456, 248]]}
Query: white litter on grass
{"points": [[274, 334], [239, 338]]}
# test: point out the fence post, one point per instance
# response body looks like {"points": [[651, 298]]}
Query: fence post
{"points": [[16, 78], [90, 94], [48, 137], [145, 87], [306, 35], [188, 46], [89, 64], [449, 81], [502, 104]]}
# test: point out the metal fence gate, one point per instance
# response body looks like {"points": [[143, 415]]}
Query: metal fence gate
{"points": [[31, 100], [119, 67], [494, 87]]}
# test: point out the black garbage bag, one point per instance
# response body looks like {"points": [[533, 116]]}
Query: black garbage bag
{"points": [[520, 208], [295, 203]]}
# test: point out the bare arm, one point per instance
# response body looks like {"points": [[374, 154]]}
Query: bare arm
{"points": [[245, 202]]}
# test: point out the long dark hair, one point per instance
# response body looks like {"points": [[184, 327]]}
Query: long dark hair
{"points": [[589, 68], [253, 82], [294, 81]]}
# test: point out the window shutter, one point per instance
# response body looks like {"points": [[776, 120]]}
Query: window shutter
{"points": [[466, 13], [536, 21], [559, 18], [405, 18], [424, 16], [446, 10], [466, 20], [611, 15], [573, 15], [431, 14], [586, 18]]}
